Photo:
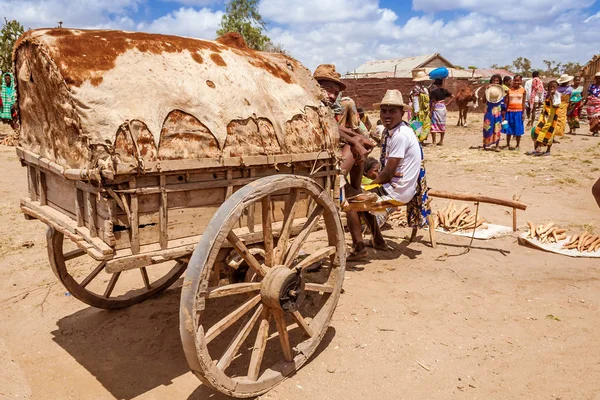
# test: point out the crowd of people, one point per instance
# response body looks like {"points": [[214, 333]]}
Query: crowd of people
{"points": [[398, 177], [511, 107]]}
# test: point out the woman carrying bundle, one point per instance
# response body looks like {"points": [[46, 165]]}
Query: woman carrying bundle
{"points": [[438, 98]]}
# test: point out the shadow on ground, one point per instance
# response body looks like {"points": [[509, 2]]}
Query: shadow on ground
{"points": [[135, 350], [129, 351]]}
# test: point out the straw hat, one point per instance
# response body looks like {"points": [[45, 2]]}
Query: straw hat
{"points": [[564, 78], [420, 76], [494, 93], [597, 73], [392, 97], [327, 72]]}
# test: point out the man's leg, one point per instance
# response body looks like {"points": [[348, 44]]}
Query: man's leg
{"points": [[371, 220], [349, 168], [353, 221]]}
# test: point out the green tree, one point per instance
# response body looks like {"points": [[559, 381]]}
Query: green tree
{"points": [[472, 67], [11, 30], [242, 16], [571, 68], [553, 68], [522, 66], [509, 68]]}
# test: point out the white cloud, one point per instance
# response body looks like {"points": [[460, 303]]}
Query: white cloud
{"points": [[317, 11], [80, 14], [195, 2], [510, 10], [190, 22]]}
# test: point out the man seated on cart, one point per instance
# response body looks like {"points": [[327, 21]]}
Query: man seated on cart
{"points": [[401, 180], [355, 146]]}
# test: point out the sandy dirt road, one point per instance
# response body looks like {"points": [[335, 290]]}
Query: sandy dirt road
{"points": [[502, 321]]}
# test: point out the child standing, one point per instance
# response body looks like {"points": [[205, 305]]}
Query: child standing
{"points": [[515, 115]]}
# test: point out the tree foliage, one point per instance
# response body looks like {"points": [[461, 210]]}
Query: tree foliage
{"points": [[509, 68], [242, 16], [522, 66], [11, 30]]}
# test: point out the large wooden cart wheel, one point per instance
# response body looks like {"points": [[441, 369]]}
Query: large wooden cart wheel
{"points": [[86, 280], [245, 337]]}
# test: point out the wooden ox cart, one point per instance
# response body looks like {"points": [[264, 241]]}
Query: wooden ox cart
{"points": [[153, 155]]}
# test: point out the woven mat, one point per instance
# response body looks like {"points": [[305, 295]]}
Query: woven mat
{"points": [[491, 232], [557, 247]]}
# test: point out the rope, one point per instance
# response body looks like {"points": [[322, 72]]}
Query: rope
{"points": [[468, 249]]}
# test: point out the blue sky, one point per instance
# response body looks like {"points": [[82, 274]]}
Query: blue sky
{"points": [[350, 32]]}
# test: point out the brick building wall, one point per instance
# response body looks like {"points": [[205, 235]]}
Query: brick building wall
{"points": [[367, 91]]}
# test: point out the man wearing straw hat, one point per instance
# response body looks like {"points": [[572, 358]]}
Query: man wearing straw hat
{"points": [[396, 184], [356, 147]]}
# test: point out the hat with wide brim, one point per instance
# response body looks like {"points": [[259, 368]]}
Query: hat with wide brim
{"points": [[392, 97], [494, 93], [564, 78], [327, 72], [420, 76]]}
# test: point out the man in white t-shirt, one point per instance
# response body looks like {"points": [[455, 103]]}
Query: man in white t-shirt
{"points": [[401, 165]]}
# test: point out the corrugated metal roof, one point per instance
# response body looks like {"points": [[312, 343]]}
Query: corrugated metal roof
{"points": [[488, 73], [453, 73], [399, 64]]}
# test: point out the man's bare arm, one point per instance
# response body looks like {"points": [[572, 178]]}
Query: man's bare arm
{"points": [[385, 176]]}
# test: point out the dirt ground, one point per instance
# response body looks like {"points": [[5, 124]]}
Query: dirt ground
{"points": [[500, 322]]}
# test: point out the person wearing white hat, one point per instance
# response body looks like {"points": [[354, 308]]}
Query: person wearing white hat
{"points": [[592, 104], [419, 99], [494, 114], [396, 183], [565, 91]]}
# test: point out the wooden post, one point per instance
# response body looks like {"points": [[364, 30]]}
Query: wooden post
{"points": [[514, 219], [32, 178], [135, 219], [251, 209], [79, 208], [42, 188], [91, 214], [163, 217]]}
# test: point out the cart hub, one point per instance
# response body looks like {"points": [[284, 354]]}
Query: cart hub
{"points": [[283, 288]]}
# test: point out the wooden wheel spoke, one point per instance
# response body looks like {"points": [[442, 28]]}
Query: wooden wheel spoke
{"points": [[267, 230], [239, 339], [111, 284], [260, 344], [230, 319], [145, 278], [317, 287], [302, 323], [233, 289], [92, 275], [241, 248], [284, 338], [316, 256], [286, 229], [308, 227]]}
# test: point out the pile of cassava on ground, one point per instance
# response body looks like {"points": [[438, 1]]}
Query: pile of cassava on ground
{"points": [[452, 219]]}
